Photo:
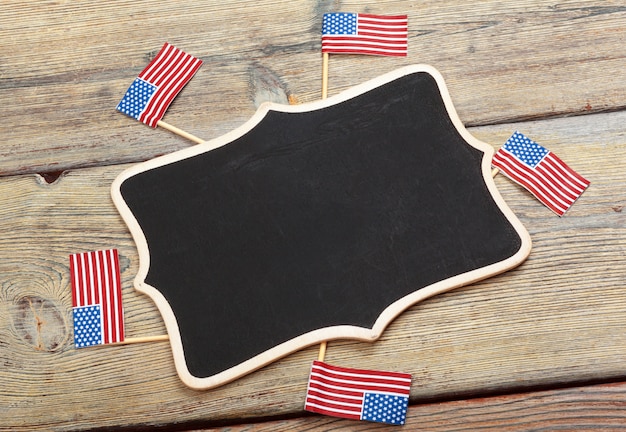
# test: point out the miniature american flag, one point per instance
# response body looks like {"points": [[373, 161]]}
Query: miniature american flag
{"points": [[352, 33], [541, 172], [96, 298], [149, 96], [358, 394]]}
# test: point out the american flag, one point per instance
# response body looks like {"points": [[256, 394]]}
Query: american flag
{"points": [[541, 172], [352, 33], [96, 298], [149, 96], [358, 394]]}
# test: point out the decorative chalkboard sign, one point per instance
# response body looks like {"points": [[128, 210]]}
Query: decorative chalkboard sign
{"points": [[315, 222]]}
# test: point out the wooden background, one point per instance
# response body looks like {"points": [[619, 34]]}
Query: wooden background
{"points": [[552, 327]]}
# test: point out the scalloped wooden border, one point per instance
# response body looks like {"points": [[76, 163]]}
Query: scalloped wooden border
{"points": [[327, 333]]}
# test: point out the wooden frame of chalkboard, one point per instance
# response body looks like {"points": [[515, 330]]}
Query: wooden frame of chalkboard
{"points": [[315, 222]]}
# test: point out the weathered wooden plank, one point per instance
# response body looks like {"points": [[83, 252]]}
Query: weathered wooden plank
{"points": [[599, 407], [558, 319], [64, 68]]}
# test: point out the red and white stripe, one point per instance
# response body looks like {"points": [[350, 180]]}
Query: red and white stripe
{"points": [[376, 35], [169, 71], [339, 392], [551, 181], [95, 279]]}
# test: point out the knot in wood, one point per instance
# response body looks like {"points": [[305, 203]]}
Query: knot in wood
{"points": [[39, 322]]}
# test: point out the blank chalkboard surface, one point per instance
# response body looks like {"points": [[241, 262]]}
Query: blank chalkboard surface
{"points": [[315, 222]]}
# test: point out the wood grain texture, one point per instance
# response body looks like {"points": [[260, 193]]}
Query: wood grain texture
{"points": [[599, 408], [64, 67], [556, 320]]}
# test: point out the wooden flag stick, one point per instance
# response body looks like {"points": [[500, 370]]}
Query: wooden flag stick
{"points": [[325, 75], [143, 339], [322, 352], [180, 132]]}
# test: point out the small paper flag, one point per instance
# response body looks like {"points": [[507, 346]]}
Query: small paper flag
{"points": [[352, 33], [358, 394], [149, 96], [96, 298], [541, 172]]}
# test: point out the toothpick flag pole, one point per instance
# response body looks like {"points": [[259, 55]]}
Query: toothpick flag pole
{"points": [[180, 132], [142, 339], [325, 57], [322, 352]]}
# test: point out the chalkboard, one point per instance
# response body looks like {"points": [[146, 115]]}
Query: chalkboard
{"points": [[315, 222]]}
